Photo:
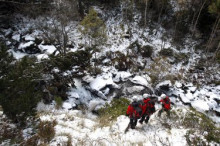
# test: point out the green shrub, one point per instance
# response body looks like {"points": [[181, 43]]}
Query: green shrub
{"points": [[111, 111], [46, 130], [122, 62], [20, 95], [217, 83], [146, 51], [135, 47], [5, 60], [59, 102], [80, 58], [181, 57], [195, 119], [166, 52]]}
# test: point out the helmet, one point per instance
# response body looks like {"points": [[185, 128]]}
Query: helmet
{"points": [[134, 98], [163, 96]]}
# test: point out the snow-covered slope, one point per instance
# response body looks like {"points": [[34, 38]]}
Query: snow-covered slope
{"points": [[85, 129]]}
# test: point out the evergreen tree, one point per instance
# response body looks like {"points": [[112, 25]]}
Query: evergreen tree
{"points": [[19, 95], [93, 28]]}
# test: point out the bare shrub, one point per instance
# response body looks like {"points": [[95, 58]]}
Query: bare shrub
{"points": [[46, 130]]}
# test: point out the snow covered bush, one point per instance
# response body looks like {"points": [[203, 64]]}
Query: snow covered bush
{"points": [[9, 132], [122, 62], [135, 47], [158, 70], [80, 58]]}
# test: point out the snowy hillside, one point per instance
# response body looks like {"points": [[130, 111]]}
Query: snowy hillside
{"points": [[84, 129], [66, 71]]}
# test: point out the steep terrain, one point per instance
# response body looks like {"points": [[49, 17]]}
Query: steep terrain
{"points": [[83, 74]]}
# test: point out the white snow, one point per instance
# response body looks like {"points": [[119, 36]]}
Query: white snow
{"points": [[164, 83], [67, 105], [29, 38], [101, 81], [41, 107], [95, 104], [200, 105], [48, 48], [42, 56], [184, 98], [178, 84], [17, 55], [85, 128], [16, 37], [140, 81], [88, 78], [25, 45], [135, 89], [122, 76], [27, 133]]}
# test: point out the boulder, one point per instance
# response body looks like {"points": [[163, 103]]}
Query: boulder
{"points": [[163, 87], [134, 89], [29, 47]]}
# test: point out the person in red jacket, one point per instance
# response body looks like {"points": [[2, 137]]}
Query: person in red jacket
{"points": [[147, 109], [165, 105], [134, 112]]}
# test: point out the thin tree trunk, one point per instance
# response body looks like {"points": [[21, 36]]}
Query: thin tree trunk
{"points": [[214, 29], [194, 14], [175, 28], [194, 27], [160, 12], [217, 51], [145, 13]]}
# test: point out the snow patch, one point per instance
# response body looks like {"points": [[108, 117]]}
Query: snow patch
{"points": [[48, 48], [25, 45], [200, 105], [140, 81], [101, 81]]}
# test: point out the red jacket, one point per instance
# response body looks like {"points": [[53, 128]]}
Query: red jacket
{"points": [[132, 113], [166, 103], [148, 107]]}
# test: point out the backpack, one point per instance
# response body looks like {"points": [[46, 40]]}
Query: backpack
{"points": [[137, 109], [167, 104]]}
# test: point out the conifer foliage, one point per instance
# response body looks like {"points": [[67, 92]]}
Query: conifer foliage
{"points": [[93, 28], [19, 94]]}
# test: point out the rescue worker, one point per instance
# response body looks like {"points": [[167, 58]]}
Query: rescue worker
{"points": [[165, 105], [147, 109], [134, 112]]}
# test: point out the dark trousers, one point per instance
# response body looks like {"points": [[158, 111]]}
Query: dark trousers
{"points": [[164, 110], [133, 122], [144, 118]]}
